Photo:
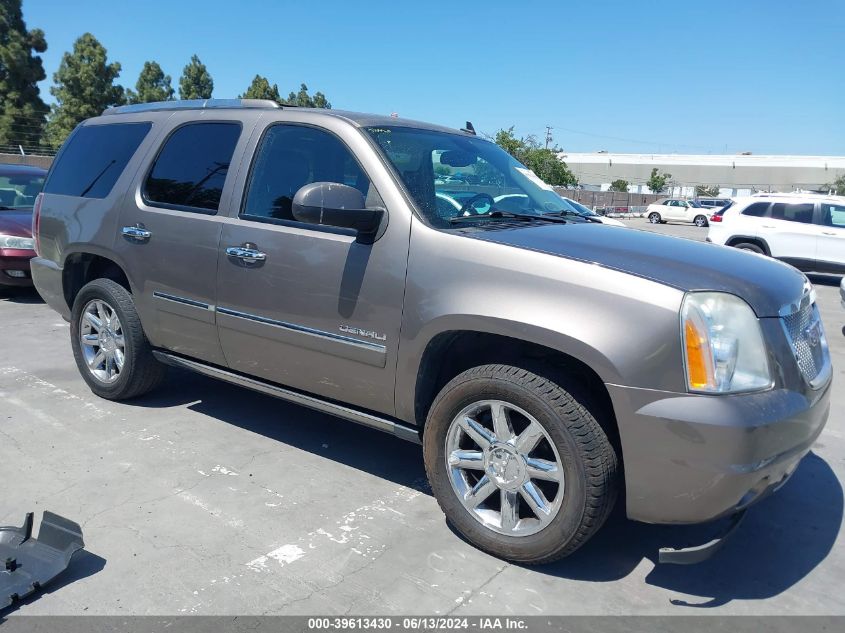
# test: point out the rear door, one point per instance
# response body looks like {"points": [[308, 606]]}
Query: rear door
{"points": [[316, 310], [790, 232], [170, 230], [830, 251]]}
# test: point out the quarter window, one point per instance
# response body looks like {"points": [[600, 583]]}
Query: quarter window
{"points": [[757, 210], [793, 212], [93, 159], [191, 168], [292, 156]]}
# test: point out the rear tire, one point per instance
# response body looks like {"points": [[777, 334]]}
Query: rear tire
{"points": [[654, 218], [748, 246], [549, 442], [700, 220], [109, 345]]}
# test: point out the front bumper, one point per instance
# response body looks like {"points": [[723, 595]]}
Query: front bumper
{"points": [[695, 458], [14, 267]]}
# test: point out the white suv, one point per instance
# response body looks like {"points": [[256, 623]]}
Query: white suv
{"points": [[807, 231], [676, 209]]}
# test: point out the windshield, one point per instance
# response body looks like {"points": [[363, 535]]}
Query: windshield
{"points": [[18, 191], [451, 175]]}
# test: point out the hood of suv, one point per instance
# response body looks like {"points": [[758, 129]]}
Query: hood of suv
{"points": [[764, 283]]}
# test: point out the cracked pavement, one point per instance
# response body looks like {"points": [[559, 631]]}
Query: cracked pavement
{"points": [[204, 498]]}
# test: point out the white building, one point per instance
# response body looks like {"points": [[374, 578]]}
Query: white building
{"points": [[736, 175]]}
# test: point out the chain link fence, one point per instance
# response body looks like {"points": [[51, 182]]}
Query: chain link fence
{"points": [[612, 203]]}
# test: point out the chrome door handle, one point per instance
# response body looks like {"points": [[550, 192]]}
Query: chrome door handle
{"points": [[136, 233], [828, 233], [767, 226], [246, 254]]}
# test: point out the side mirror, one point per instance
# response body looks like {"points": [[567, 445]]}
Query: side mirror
{"points": [[334, 204]]}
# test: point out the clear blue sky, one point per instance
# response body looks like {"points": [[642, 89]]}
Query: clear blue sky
{"points": [[766, 76]]}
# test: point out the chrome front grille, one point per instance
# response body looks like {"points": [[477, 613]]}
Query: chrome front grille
{"points": [[806, 336]]}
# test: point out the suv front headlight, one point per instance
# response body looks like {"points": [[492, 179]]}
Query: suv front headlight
{"points": [[12, 241], [724, 351]]}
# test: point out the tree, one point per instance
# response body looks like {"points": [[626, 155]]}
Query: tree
{"points": [[442, 170], [260, 88], [304, 100], [84, 87], [22, 111], [153, 85], [195, 82], [619, 185], [657, 181], [542, 161], [707, 191], [837, 187]]}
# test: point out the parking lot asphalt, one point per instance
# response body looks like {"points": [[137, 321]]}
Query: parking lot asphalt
{"points": [[204, 498]]}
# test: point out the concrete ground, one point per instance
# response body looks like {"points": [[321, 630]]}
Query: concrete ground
{"points": [[208, 499]]}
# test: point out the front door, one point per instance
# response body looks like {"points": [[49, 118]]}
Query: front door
{"points": [[170, 232], [303, 305], [830, 251]]}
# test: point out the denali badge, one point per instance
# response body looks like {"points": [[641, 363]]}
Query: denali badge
{"points": [[363, 332]]}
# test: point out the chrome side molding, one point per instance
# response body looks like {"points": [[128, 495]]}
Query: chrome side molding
{"points": [[373, 421]]}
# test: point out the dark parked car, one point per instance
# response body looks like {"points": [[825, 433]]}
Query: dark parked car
{"points": [[19, 186]]}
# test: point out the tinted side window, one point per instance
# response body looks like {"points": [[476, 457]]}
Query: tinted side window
{"points": [[291, 156], [93, 159], [833, 215], [191, 168], [758, 209], [793, 212]]}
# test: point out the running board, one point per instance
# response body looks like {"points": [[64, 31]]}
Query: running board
{"points": [[312, 402]]}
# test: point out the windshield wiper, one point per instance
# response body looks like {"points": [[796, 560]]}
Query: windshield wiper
{"points": [[496, 213], [586, 218]]}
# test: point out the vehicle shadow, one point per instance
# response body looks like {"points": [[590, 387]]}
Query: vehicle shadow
{"points": [[82, 565], [329, 437], [781, 540], [20, 295]]}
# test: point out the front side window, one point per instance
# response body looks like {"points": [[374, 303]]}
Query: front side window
{"points": [[802, 213], [833, 215], [93, 159], [450, 175], [292, 156], [190, 170]]}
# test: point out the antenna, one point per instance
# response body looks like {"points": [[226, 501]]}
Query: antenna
{"points": [[468, 129]]}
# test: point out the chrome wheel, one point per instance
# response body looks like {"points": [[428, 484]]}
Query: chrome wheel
{"points": [[101, 341], [504, 468], [654, 218], [700, 220]]}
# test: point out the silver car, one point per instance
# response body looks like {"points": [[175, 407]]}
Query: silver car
{"points": [[546, 363]]}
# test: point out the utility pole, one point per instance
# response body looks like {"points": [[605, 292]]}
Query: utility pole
{"points": [[548, 135]]}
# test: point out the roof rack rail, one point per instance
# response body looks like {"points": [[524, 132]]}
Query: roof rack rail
{"points": [[192, 104]]}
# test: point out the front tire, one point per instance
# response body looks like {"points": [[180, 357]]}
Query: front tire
{"points": [[654, 217], [109, 345], [520, 467]]}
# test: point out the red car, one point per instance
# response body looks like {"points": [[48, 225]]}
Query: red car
{"points": [[19, 186]]}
